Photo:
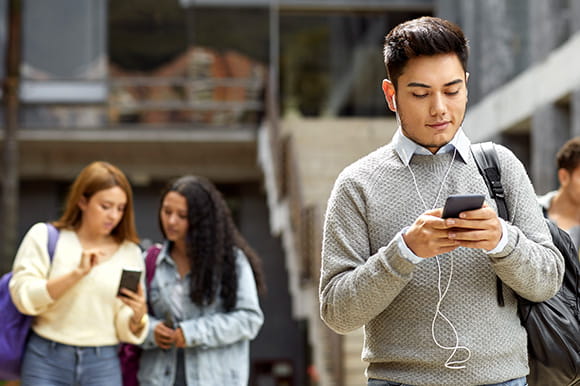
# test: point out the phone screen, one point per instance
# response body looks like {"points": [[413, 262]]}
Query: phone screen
{"points": [[130, 280], [458, 203]]}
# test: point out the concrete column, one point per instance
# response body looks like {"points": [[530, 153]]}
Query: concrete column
{"points": [[575, 99], [574, 16], [519, 144], [550, 129], [468, 10], [497, 59], [575, 114], [543, 31], [450, 10]]}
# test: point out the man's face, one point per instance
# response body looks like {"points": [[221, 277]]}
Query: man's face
{"points": [[430, 100], [570, 182]]}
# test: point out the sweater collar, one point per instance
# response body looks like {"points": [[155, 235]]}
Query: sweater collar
{"points": [[406, 148]]}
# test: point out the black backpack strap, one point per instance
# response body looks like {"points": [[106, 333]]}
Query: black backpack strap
{"points": [[487, 162]]}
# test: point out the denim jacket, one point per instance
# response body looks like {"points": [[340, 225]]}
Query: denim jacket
{"points": [[218, 343]]}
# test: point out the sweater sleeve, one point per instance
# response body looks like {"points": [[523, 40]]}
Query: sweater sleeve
{"points": [[122, 326], [30, 272], [530, 264], [350, 277]]}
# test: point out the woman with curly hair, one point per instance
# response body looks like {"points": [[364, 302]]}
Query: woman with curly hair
{"points": [[204, 292]]}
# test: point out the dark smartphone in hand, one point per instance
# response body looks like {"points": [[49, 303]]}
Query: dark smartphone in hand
{"points": [[168, 321], [458, 203], [130, 280]]}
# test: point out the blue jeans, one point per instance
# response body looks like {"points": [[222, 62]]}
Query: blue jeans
{"points": [[513, 382], [48, 363]]}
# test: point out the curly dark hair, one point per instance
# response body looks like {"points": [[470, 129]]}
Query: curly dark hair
{"points": [[211, 241]]}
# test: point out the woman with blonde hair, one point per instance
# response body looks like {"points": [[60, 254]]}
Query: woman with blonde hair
{"points": [[79, 319]]}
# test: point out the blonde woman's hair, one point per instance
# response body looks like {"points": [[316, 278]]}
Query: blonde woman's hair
{"points": [[97, 176]]}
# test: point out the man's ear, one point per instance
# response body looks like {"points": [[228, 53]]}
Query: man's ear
{"points": [[563, 177], [389, 91]]}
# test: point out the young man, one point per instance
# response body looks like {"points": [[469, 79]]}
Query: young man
{"points": [[423, 287], [563, 205]]}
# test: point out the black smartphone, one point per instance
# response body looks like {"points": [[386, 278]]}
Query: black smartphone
{"points": [[168, 321], [458, 203], [130, 280]]}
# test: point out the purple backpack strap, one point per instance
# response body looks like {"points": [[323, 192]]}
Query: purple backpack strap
{"points": [[16, 326], [53, 234], [151, 263]]}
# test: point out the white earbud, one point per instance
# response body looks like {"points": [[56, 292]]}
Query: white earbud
{"points": [[396, 111]]}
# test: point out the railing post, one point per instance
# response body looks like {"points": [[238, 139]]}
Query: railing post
{"points": [[10, 183]]}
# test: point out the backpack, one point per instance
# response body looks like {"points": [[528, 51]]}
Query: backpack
{"points": [[553, 326], [15, 325], [130, 354]]}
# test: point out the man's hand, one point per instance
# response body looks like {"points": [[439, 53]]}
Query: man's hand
{"points": [[430, 235], [479, 228]]}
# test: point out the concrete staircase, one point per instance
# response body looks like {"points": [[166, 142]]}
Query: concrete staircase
{"points": [[326, 146], [319, 149]]}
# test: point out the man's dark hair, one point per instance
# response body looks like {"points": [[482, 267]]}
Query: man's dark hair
{"points": [[568, 157], [425, 36]]}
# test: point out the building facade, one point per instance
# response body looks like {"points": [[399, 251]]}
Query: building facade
{"points": [[270, 99]]}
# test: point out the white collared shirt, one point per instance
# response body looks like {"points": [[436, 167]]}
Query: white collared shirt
{"points": [[406, 148]]}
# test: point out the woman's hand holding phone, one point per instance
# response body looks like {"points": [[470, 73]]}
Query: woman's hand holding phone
{"points": [[166, 337], [136, 301]]}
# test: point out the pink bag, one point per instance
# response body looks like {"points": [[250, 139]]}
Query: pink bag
{"points": [[130, 354]]}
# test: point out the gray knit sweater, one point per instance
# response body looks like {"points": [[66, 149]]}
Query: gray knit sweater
{"points": [[366, 282]]}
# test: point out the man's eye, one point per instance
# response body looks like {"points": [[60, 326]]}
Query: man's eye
{"points": [[452, 92], [420, 95]]}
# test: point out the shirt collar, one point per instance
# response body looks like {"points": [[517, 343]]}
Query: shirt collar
{"points": [[164, 253], [406, 147]]}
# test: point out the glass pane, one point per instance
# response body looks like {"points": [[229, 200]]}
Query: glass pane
{"points": [[63, 68], [169, 63], [331, 64], [63, 39]]}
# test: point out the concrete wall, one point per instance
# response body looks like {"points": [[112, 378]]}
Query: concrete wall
{"points": [[524, 81]]}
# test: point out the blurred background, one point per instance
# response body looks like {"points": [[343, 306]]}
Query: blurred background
{"points": [[270, 99]]}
